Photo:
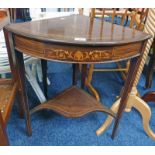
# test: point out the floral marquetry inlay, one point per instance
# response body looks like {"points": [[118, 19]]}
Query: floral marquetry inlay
{"points": [[76, 53], [93, 55]]}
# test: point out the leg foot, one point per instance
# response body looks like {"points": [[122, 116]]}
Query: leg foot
{"points": [[145, 112], [22, 87]]}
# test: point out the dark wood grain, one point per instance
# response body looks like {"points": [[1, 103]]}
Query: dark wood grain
{"points": [[83, 75], [44, 72], [133, 69], [73, 102], [75, 74], [74, 30], [18, 72], [149, 96], [21, 78], [76, 54]]}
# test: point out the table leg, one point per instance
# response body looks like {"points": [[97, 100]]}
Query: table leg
{"points": [[44, 71], [21, 78], [83, 76], [9, 45], [20, 105], [18, 72], [75, 74], [126, 90]]}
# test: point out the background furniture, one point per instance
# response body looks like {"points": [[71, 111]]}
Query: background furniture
{"points": [[134, 101], [9, 88], [70, 48], [150, 95], [150, 66], [123, 17], [8, 91], [32, 65]]}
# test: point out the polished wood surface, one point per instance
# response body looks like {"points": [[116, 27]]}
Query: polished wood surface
{"points": [[59, 40], [20, 71], [73, 102], [76, 54], [149, 96], [75, 30]]}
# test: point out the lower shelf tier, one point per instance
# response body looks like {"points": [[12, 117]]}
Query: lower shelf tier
{"points": [[73, 102]]}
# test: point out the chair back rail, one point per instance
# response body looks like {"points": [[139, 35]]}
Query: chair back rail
{"points": [[137, 18], [133, 18]]}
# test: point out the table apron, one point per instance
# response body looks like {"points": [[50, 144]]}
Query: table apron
{"points": [[76, 54]]}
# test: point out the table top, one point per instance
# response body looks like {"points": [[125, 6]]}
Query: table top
{"points": [[77, 30]]}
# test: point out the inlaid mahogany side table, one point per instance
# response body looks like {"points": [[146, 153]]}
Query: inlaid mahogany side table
{"points": [[76, 39]]}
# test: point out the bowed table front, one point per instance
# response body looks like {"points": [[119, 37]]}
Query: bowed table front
{"points": [[75, 39]]}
